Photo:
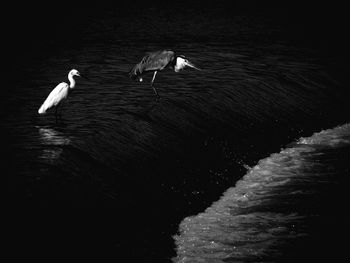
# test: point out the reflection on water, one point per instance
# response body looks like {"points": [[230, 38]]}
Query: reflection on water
{"points": [[51, 137]]}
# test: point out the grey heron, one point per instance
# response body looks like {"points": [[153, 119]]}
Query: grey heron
{"points": [[158, 61]]}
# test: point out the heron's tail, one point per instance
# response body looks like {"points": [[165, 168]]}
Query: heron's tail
{"points": [[42, 109]]}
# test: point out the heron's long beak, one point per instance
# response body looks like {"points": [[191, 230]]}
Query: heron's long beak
{"points": [[192, 66]]}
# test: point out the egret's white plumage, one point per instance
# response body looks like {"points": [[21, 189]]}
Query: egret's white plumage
{"points": [[59, 93]]}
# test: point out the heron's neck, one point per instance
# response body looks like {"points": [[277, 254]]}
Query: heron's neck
{"points": [[71, 81], [177, 67], [174, 63]]}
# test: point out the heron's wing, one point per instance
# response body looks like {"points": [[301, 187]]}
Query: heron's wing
{"points": [[158, 60], [152, 61], [55, 97]]}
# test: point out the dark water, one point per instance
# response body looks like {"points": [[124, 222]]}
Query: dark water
{"points": [[151, 163]]}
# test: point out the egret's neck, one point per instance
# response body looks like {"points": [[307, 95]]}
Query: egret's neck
{"points": [[71, 81]]}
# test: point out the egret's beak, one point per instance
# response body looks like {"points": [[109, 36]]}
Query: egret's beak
{"points": [[83, 76], [192, 66]]}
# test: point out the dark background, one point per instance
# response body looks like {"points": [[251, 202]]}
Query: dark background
{"points": [[31, 28]]}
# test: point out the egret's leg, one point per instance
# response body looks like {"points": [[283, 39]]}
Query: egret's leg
{"points": [[154, 89], [56, 113], [61, 109]]}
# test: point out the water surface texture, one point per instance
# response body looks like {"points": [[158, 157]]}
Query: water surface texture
{"points": [[285, 209], [157, 166]]}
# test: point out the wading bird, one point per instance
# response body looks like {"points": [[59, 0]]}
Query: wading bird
{"points": [[59, 94], [158, 61]]}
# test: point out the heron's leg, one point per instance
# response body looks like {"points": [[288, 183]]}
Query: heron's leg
{"points": [[154, 76], [154, 89]]}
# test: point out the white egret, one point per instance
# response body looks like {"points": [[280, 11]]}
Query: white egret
{"points": [[59, 94]]}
